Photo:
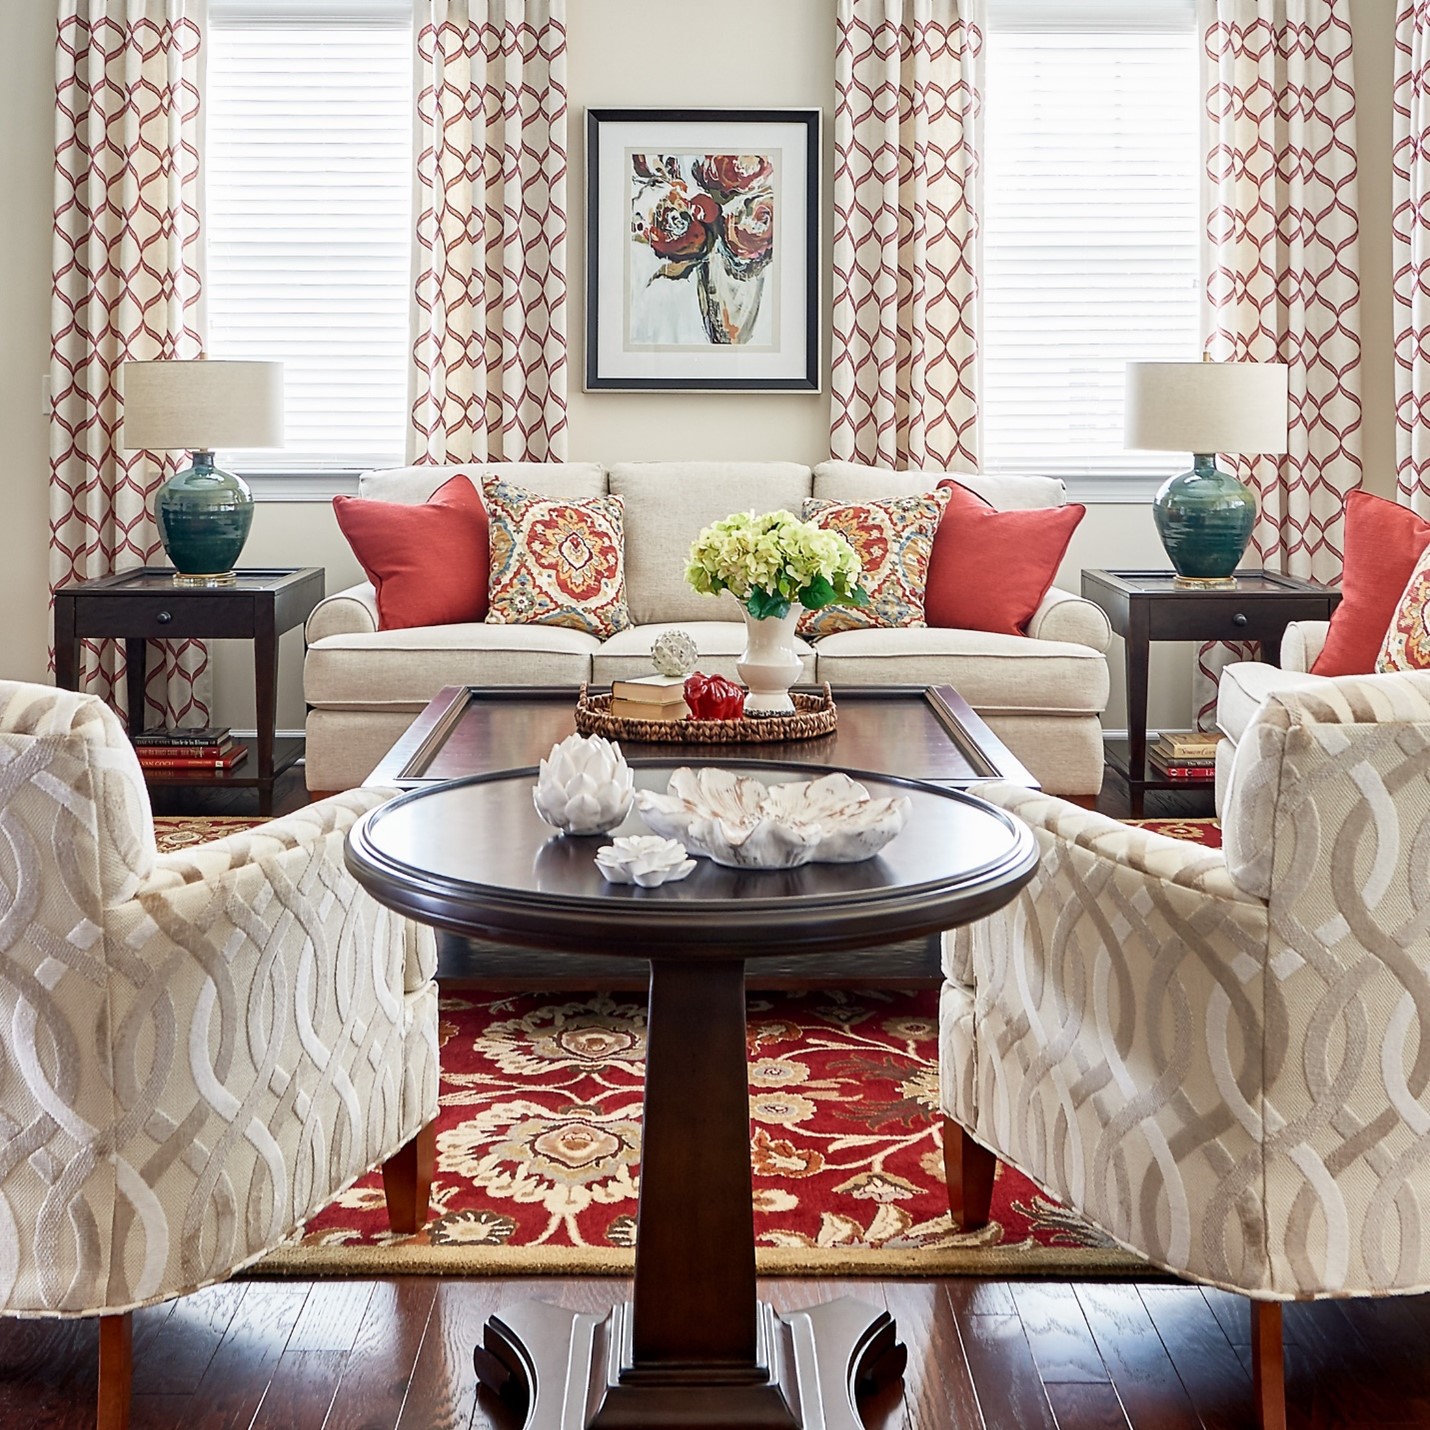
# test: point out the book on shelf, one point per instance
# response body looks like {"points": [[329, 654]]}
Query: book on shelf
{"points": [[1192, 743], [1185, 772], [183, 735], [650, 689], [183, 752], [166, 761], [643, 710]]}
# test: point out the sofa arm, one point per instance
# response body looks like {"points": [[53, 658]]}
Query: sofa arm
{"points": [[1302, 643], [345, 613], [1066, 617]]}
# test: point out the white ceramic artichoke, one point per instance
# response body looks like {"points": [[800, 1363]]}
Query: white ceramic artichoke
{"points": [[583, 786], [741, 823], [674, 653], [644, 860]]}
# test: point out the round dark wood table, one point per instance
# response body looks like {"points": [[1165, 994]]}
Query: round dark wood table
{"points": [[695, 1346]]}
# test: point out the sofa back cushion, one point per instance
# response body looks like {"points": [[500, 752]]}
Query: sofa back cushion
{"points": [[569, 481], [667, 504], [854, 482]]}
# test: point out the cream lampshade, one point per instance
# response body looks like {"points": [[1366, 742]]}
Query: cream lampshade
{"points": [[1205, 516], [203, 514]]}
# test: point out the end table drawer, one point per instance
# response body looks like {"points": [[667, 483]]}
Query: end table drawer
{"points": [[1232, 620], [215, 617]]}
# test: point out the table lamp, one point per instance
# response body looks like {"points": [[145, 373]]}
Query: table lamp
{"points": [[1205, 516], [203, 513]]}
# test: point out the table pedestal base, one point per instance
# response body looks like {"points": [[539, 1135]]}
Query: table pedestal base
{"points": [[573, 1369]]}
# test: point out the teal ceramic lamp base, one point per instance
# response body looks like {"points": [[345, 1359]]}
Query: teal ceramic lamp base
{"points": [[204, 514], [1204, 518]]}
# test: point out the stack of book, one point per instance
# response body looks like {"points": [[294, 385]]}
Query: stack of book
{"points": [[187, 748], [1185, 754], [650, 697]]}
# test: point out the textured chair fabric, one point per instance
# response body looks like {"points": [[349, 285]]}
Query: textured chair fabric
{"points": [[1220, 1060], [197, 1050]]}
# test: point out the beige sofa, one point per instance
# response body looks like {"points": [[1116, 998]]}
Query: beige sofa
{"points": [[1041, 693]]}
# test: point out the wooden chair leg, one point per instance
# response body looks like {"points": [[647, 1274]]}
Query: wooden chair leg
{"points": [[968, 1168], [1268, 1365], [314, 795], [407, 1181], [1086, 801], [116, 1371]]}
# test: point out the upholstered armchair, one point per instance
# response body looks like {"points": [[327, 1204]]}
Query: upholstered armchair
{"points": [[198, 1050], [1221, 1058]]}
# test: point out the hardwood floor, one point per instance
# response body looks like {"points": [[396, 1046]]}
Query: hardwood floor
{"points": [[396, 1355], [370, 1355]]}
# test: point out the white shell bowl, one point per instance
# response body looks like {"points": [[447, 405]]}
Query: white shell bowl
{"points": [[742, 823]]}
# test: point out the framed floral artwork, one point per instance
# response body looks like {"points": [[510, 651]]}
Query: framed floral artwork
{"points": [[702, 250]]}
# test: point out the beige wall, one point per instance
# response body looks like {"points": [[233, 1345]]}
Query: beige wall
{"points": [[619, 54]]}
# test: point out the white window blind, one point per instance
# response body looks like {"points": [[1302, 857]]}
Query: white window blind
{"points": [[1091, 226], [308, 182]]}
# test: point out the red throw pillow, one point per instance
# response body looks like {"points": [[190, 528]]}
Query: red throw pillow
{"points": [[1383, 542], [429, 562], [991, 569]]}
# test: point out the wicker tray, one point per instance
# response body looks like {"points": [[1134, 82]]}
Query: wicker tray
{"points": [[814, 715]]}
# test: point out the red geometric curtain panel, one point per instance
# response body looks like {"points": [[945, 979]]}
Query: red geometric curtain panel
{"points": [[126, 286], [907, 116], [1410, 225], [1284, 281], [489, 344]]}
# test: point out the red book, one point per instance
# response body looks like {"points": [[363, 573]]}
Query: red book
{"points": [[185, 762], [148, 754]]}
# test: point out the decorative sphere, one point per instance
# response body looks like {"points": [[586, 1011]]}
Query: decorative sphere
{"points": [[674, 653]]}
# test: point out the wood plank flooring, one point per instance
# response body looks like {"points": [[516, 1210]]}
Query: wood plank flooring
{"points": [[991, 1355]]}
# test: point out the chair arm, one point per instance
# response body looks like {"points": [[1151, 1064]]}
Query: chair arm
{"points": [[1063, 616], [345, 613], [1302, 643], [1156, 856]]}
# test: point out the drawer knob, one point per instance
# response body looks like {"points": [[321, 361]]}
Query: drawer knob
{"points": [[164, 617], [1238, 619]]}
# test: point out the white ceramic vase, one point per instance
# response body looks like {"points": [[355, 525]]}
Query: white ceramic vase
{"points": [[770, 665]]}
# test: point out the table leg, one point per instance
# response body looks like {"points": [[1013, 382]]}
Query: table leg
{"points": [[67, 645], [1136, 653], [695, 1348], [136, 657], [265, 694]]}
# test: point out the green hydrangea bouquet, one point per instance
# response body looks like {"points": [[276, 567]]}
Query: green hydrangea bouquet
{"points": [[770, 562]]}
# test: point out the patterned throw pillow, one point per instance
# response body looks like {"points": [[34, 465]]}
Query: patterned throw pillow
{"points": [[556, 563], [893, 540], [1407, 642]]}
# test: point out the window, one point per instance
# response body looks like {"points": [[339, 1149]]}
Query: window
{"points": [[308, 180], [1092, 233]]}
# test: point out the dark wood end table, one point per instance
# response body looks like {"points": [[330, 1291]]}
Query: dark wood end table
{"points": [[1145, 606], [144, 604], [695, 1347]]}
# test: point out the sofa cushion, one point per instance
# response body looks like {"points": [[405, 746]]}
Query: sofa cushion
{"points": [[556, 562], [990, 569], [403, 670], [667, 506], [1244, 684], [427, 561], [1407, 643], [992, 672], [852, 481], [570, 481], [893, 540], [719, 643]]}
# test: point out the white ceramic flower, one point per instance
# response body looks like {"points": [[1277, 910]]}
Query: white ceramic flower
{"points": [[674, 653], [739, 822], [644, 860], [583, 786]]}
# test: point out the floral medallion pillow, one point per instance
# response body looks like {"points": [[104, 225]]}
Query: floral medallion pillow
{"points": [[1407, 642], [556, 563], [893, 540]]}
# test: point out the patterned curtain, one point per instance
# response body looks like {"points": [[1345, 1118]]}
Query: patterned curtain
{"points": [[126, 285], [489, 348], [1284, 279], [1410, 224], [907, 117]]}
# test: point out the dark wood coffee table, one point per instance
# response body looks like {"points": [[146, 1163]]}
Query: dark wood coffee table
{"points": [[695, 1347], [916, 733]]}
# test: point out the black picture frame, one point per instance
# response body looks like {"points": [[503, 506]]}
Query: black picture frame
{"points": [[790, 360]]}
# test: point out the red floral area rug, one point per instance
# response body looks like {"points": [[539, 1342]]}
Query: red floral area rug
{"points": [[1194, 831], [174, 833], [538, 1151]]}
